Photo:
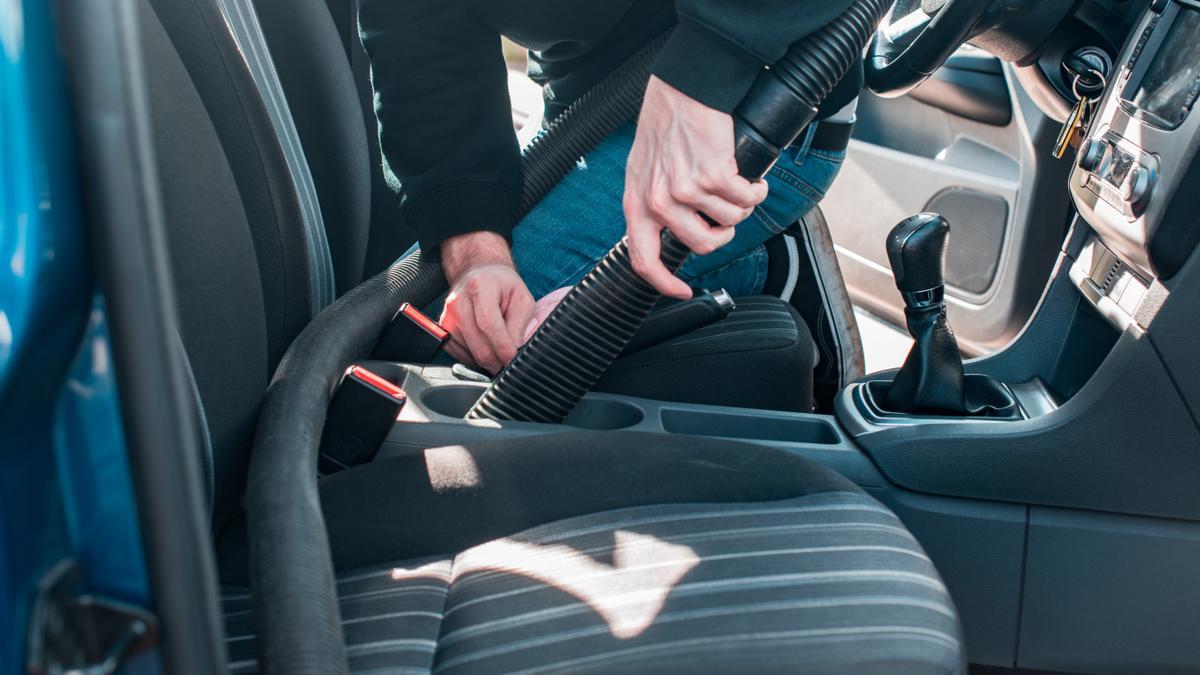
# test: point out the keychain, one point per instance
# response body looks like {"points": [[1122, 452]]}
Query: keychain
{"points": [[1080, 118]]}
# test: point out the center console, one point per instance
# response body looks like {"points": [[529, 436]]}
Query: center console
{"points": [[439, 398], [1099, 468], [1104, 378]]}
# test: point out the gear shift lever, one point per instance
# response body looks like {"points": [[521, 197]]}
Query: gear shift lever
{"points": [[931, 380]]}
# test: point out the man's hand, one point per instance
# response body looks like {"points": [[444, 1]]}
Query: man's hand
{"points": [[681, 165], [488, 306]]}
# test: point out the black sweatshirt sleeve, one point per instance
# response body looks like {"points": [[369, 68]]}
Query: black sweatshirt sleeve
{"points": [[720, 46], [441, 97]]}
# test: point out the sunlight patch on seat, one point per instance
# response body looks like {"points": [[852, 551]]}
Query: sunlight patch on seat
{"points": [[644, 568], [451, 468], [434, 570]]}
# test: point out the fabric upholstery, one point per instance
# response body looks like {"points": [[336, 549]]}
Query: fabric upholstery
{"points": [[763, 336], [821, 583], [213, 258], [827, 581], [241, 20], [390, 617], [267, 190], [819, 295]]}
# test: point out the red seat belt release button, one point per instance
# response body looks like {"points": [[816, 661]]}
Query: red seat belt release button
{"points": [[363, 410]]}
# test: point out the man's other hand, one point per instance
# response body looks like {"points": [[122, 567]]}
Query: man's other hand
{"points": [[488, 307], [682, 164]]}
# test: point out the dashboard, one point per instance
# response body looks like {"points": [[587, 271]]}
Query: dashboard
{"points": [[1136, 181]]}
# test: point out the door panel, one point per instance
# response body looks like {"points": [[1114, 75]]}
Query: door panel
{"points": [[969, 85], [1004, 195]]}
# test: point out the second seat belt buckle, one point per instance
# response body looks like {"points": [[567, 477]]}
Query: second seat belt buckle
{"points": [[411, 337]]}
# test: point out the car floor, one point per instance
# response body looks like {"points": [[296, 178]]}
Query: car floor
{"points": [[884, 345]]}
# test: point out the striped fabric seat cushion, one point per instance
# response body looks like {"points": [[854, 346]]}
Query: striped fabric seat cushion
{"points": [[765, 321], [390, 617], [763, 335], [831, 581]]}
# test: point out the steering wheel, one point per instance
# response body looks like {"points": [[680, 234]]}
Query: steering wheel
{"points": [[911, 45]]}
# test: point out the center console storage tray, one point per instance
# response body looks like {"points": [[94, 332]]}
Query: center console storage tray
{"points": [[759, 425]]}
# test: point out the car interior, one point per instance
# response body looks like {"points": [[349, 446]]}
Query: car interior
{"points": [[735, 492]]}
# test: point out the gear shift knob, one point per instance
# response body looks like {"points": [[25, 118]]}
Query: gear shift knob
{"points": [[917, 251]]}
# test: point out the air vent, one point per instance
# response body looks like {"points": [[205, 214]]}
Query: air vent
{"points": [[1106, 269], [1114, 273]]}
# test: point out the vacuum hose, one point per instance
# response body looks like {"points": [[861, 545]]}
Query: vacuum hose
{"points": [[296, 615], [590, 119], [591, 326]]}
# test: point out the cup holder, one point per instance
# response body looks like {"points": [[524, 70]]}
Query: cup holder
{"points": [[451, 401], [591, 413], [750, 426]]}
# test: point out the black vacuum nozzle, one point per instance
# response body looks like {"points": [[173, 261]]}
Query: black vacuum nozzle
{"points": [[917, 251]]}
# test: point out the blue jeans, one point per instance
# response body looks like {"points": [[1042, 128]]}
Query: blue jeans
{"points": [[563, 237]]}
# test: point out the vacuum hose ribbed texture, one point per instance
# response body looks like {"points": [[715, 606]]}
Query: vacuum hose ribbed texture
{"points": [[810, 67], [296, 612], [581, 127], [578, 341], [587, 331]]}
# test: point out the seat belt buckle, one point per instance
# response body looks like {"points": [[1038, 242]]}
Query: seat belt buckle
{"points": [[411, 337], [362, 413]]}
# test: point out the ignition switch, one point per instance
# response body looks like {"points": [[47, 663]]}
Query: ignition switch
{"points": [[1087, 68]]}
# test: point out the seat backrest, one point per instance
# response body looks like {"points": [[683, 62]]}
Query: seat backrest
{"points": [[246, 229], [315, 74], [389, 237]]}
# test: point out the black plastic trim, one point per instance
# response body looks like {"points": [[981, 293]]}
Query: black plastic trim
{"points": [[969, 93]]}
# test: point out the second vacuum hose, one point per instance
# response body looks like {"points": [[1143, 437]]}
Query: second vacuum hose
{"points": [[587, 331]]}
